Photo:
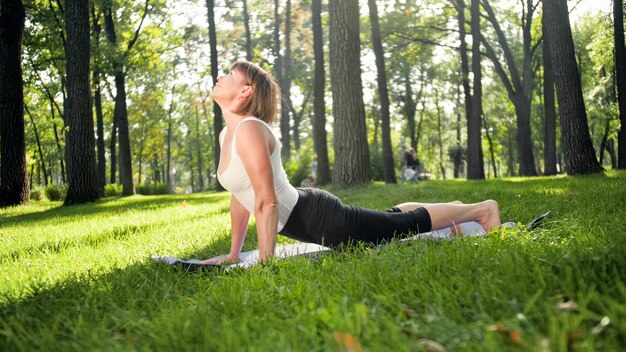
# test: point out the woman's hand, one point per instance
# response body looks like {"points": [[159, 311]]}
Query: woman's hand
{"points": [[223, 259]]}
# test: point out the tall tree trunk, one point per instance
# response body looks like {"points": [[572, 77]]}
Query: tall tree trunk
{"points": [[246, 24], [168, 173], [620, 68], [97, 100], [475, 166], [281, 77], [580, 156], [319, 107], [519, 86], [199, 152], [389, 172], [549, 139], [467, 90], [491, 151], [409, 107], [43, 163], [82, 175], [113, 152], [352, 159], [14, 187], [120, 112], [439, 136], [56, 136], [217, 112]]}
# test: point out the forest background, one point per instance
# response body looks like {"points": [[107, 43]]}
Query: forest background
{"points": [[152, 65]]}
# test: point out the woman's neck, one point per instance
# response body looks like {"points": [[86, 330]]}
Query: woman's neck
{"points": [[232, 119]]}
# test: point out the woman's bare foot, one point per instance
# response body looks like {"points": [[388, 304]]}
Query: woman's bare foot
{"points": [[491, 215]]}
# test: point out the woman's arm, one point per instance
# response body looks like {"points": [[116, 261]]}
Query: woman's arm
{"points": [[239, 217], [254, 145]]}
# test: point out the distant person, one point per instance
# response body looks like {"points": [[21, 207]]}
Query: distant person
{"points": [[405, 160], [250, 168], [413, 163]]}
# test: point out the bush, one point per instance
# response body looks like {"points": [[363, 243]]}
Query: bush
{"points": [[152, 188], [298, 168], [112, 190], [36, 194], [56, 192]]}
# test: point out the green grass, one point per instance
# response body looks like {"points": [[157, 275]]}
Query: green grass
{"points": [[81, 278]]}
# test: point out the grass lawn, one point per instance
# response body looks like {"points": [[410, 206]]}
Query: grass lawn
{"points": [[81, 277]]}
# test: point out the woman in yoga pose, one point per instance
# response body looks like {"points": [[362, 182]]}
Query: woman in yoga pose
{"points": [[250, 168]]}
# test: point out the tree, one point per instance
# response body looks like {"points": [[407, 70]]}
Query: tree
{"points": [[519, 85], [246, 24], [319, 105], [120, 114], [14, 188], [282, 76], [549, 140], [475, 166], [383, 92], [217, 112], [577, 147], [620, 68], [352, 162], [82, 175]]}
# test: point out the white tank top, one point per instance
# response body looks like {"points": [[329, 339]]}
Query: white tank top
{"points": [[235, 178]]}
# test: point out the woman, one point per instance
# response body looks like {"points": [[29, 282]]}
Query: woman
{"points": [[250, 168]]}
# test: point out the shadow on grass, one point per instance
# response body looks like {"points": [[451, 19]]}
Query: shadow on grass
{"points": [[72, 312], [109, 205]]}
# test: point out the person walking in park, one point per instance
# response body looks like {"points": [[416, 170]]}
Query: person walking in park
{"points": [[251, 169]]}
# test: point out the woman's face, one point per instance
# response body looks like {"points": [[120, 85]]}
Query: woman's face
{"points": [[230, 88]]}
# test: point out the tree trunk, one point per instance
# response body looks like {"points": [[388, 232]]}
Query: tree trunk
{"points": [[620, 68], [246, 24], [14, 187], [97, 100], [519, 86], [217, 112], [199, 152], [549, 139], [579, 153], [168, 173], [352, 159], [113, 152], [409, 107], [491, 151], [281, 77], [82, 175], [389, 172], [120, 113], [475, 166], [467, 90], [439, 136], [43, 163], [319, 107]]}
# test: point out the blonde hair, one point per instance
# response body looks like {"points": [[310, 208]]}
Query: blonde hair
{"points": [[263, 103]]}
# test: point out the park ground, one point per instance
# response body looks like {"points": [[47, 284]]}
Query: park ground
{"points": [[81, 277]]}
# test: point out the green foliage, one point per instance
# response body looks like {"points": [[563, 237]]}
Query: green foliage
{"points": [[56, 192], [298, 168], [113, 190], [90, 283], [152, 188], [37, 194]]}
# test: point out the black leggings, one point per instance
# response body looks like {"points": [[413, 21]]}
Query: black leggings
{"points": [[320, 217]]}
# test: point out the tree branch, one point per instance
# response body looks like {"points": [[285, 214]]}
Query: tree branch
{"points": [[498, 66], [134, 40]]}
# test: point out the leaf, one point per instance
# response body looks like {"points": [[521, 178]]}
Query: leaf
{"points": [[496, 327], [516, 336], [184, 204], [346, 342], [432, 346]]}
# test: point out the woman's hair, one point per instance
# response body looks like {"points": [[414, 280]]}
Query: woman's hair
{"points": [[263, 103]]}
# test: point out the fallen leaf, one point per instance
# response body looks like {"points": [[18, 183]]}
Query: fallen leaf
{"points": [[346, 342], [516, 336], [567, 306], [496, 327], [432, 346], [184, 204]]}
